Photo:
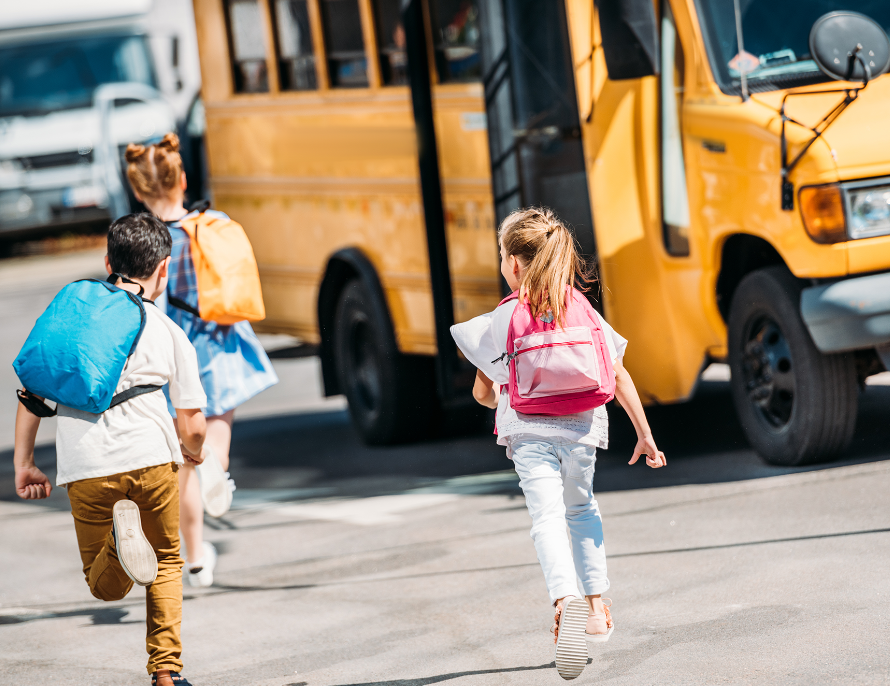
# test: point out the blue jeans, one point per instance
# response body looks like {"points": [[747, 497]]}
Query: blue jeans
{"points": [[556, 476]]}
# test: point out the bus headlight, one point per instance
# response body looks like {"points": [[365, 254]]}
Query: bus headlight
{"points": [[869, 211], [822, 209]]}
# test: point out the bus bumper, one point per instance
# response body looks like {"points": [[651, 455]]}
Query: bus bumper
{"points": [[852, 314]]}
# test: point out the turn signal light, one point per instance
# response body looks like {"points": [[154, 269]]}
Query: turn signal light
{"points": [[822, 208]]}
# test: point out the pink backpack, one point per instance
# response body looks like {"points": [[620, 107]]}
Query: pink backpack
{"points": [[558, 370]]}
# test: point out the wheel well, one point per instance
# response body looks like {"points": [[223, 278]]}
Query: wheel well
{"points": [[741, 255], [343, 266]]}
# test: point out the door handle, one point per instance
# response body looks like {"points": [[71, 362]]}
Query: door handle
{"points": [[713, 146]]}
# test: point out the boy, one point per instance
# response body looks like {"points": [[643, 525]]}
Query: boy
{"points": [[120, 467]]}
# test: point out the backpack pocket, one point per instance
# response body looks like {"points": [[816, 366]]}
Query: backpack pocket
{"points": [[556, 362]]}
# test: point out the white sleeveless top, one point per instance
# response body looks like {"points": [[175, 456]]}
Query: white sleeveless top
{"points": [[484, 338]]}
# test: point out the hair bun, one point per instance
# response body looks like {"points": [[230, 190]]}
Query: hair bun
{"points": [[170, 142], [134, 151]]}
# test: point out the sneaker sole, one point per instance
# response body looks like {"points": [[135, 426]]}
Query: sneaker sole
{"points": [[571, 648], [215, 492], [599, 638], [135, 553]]}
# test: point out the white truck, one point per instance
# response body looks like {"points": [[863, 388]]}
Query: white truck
{"points": [[78, 81]]}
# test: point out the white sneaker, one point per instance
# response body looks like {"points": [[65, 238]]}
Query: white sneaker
{"points": [[134, 552], [571, 648], [200, 573], [216, 487]]}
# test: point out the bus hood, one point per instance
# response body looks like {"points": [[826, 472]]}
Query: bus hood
{"points": [[78, 129], [860, 138]]}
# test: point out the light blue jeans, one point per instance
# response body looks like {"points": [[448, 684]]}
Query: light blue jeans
{"points": [[556, 476]]}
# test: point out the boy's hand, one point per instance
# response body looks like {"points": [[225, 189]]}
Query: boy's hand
{"points": [[646, 446], [32, 484]]}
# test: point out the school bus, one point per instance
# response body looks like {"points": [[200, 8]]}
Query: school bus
{"points": [[723, 162]]}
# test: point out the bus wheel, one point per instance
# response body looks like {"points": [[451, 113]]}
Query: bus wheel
{"points": [[796, 405], [387, 392]]}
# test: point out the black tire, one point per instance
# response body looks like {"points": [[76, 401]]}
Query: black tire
{"points": [[391, 396], [796, 405]]}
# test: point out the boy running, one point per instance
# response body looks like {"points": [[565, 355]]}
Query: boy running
{"points": [[121, 467]]}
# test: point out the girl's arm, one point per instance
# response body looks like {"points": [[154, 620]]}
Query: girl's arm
{"points": [[484, 391], [627, 395]]}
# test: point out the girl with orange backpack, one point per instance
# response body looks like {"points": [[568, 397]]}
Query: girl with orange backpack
{"points": [[548, 363], [213, 293]]}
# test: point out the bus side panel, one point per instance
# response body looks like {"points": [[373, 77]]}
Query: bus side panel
{"points": [[318, 176]]}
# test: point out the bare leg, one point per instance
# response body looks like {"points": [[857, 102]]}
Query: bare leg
{"points": [[191, 509], [219, 436], [191, 512]]}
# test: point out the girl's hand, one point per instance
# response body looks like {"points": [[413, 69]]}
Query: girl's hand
{"points": [[32, 484], [193, 460], [646, 446]]}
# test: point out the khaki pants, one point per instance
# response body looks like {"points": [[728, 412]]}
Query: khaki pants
{"points": [[156, 491]]}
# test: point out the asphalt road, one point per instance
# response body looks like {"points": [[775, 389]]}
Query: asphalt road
{"points": [[343, 565]]}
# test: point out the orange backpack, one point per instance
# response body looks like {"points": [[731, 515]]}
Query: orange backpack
{"points": [[228, 279]]}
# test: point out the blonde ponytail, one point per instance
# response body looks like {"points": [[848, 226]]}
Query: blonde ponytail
{"points": [[547, 250]]}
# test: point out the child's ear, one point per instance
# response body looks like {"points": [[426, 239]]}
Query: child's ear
{"points": [[182, 181], [107, 265], [164, 267]]}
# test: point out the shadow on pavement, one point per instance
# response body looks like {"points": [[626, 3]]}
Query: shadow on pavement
{"points": [[319, 454], [423, 681]]}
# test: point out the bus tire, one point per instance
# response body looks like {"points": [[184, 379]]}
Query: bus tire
{"points": [[796, 405], [389, 393]]}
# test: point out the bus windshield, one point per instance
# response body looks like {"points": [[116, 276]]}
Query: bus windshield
{"points": [[38, 78], [775, 35]]}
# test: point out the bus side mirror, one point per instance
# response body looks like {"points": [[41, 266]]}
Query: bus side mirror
{"points": [[630, 38], [848, 46]]}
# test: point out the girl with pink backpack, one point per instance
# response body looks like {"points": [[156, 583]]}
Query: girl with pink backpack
{"points": [[548, 362]]}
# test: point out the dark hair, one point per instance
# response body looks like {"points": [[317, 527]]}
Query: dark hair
{"points": [[137, 243]]}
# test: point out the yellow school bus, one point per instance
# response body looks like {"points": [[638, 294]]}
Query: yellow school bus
{"points": [[723, 162]]}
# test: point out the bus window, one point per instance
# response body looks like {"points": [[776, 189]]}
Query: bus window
{"points": [[247, 46], [674, 198], [457, 39], [391, 42], [296, 59], [344, 43]]}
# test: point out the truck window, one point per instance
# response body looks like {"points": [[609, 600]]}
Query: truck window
{"points": [[293, 46], [344, 43], [456, 37], [37, 78], [247, 46], [391, 42], [776, 36], [674, 197]]}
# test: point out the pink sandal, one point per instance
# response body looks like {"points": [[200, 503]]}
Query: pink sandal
{"points": [[600, 625]]}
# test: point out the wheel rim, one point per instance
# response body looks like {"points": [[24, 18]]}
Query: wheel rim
{"points": [[363, 363], [769, 372]]}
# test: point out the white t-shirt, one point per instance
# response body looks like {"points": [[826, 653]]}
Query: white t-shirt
{"points": [[139, 432], [484, 339]]}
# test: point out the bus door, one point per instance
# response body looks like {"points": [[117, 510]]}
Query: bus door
{"points": [[534, 131]]}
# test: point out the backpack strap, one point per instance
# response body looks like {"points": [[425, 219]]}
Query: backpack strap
{"points": [[115, 277], [39, 408], [34, 405], [131, 393], [181, 304]]}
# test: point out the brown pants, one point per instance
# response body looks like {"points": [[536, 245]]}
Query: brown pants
{"points": [[156, 491]]}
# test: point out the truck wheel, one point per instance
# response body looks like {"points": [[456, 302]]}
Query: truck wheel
{"points": [[796, 405], [389, 394]]}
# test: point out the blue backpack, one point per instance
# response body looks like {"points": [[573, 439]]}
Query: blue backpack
{"points": [[77, 350]]}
